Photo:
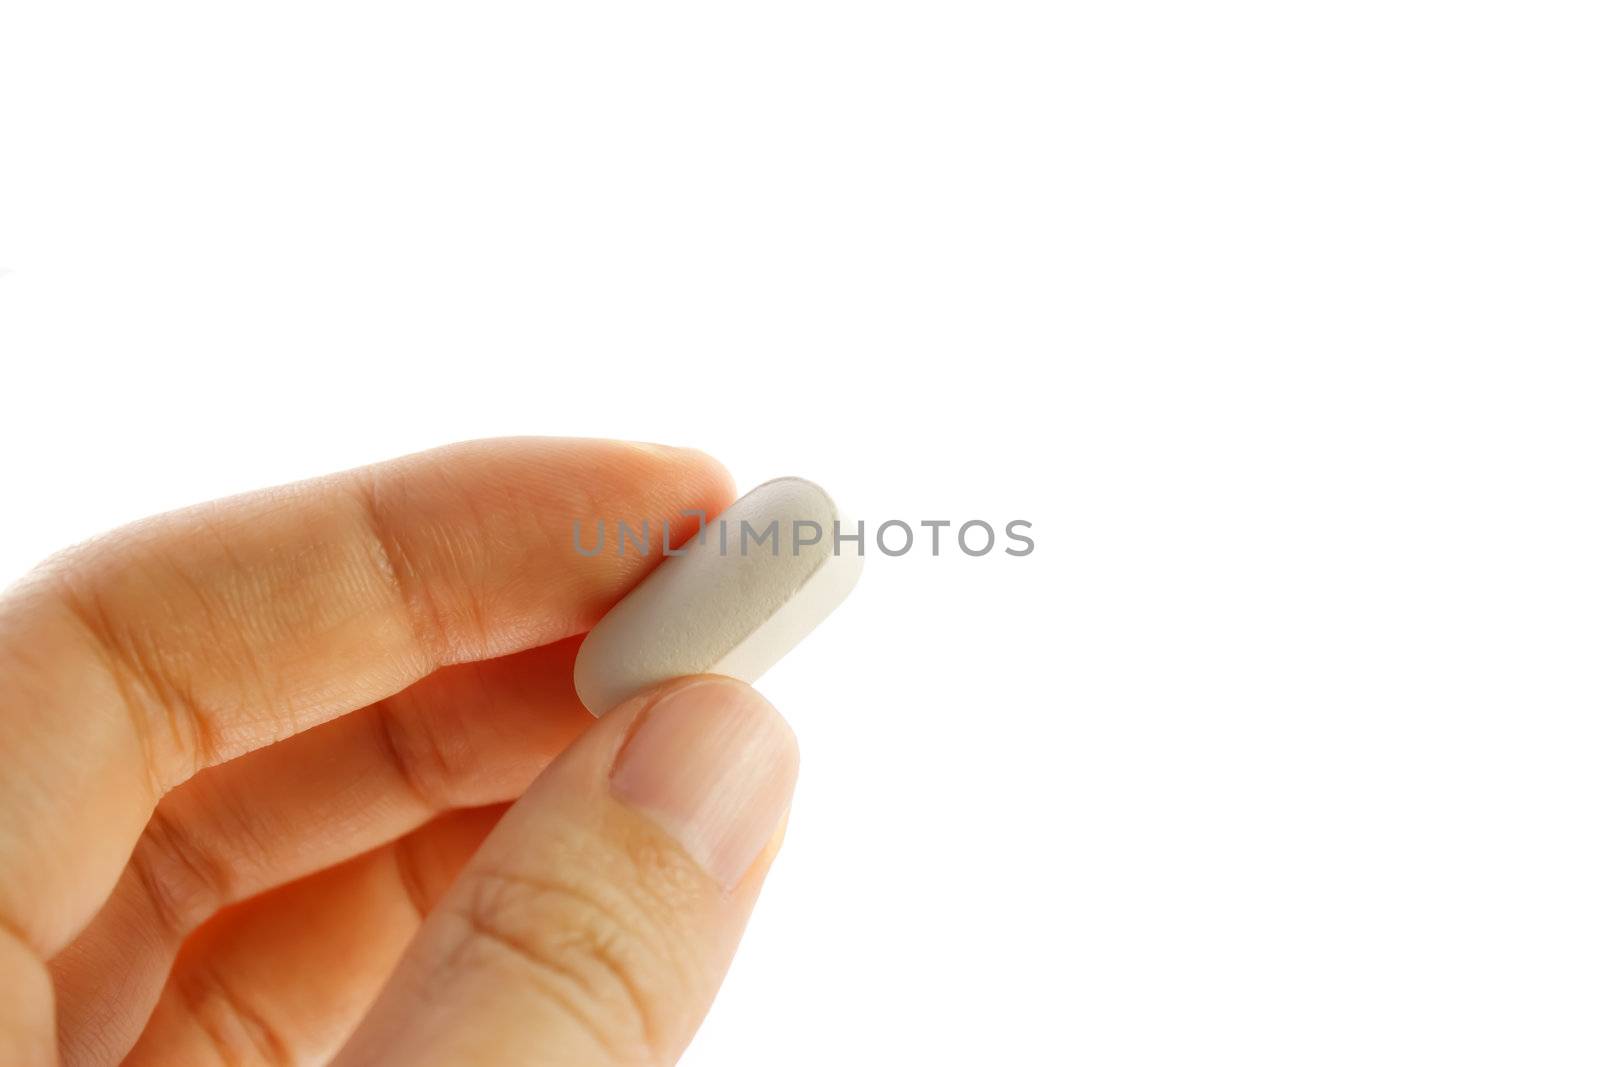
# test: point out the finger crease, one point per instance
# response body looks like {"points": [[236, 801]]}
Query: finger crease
{"points": [[206, 987], [549, 977], [143, 691], [11, 930], [545, 962], [417, 605], [408, 867], [184, 883], [401, 754]]}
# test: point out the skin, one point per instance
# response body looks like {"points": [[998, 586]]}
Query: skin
{"points": [[287, 762]]}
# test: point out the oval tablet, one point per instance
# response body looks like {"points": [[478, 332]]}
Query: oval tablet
{"points": [[754, 582]]}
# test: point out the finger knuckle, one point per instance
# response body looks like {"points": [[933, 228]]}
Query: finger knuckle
{"points": [[173, 729], [428, 768], [183, 881], [595, 953], [229, 1023], [393, 563]]}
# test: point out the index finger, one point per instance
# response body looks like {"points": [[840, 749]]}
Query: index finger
{"points": [[182, 641]]}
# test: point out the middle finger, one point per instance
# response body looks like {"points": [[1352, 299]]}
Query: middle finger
{"points": [[465, 736]]}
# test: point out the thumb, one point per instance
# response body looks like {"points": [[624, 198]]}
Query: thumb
{"points": [[597, 920]]}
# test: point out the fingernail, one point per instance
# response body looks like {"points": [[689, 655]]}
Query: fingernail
{"points": [[713, 764]]}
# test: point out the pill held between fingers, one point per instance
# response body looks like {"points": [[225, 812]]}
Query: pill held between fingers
{"points": [[756, 580]]}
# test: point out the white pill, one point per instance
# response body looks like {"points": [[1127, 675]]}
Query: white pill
{"points": [[756, 580]]}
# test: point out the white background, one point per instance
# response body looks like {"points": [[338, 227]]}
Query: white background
{"points": [[1278, 320]]}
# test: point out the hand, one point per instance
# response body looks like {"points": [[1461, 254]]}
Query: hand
{"points": [[255, 760]]}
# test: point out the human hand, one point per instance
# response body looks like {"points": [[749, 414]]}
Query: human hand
{"points": [[255, 766]]}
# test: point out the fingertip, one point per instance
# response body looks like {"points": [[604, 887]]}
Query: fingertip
{"points": [[691, 467]]}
